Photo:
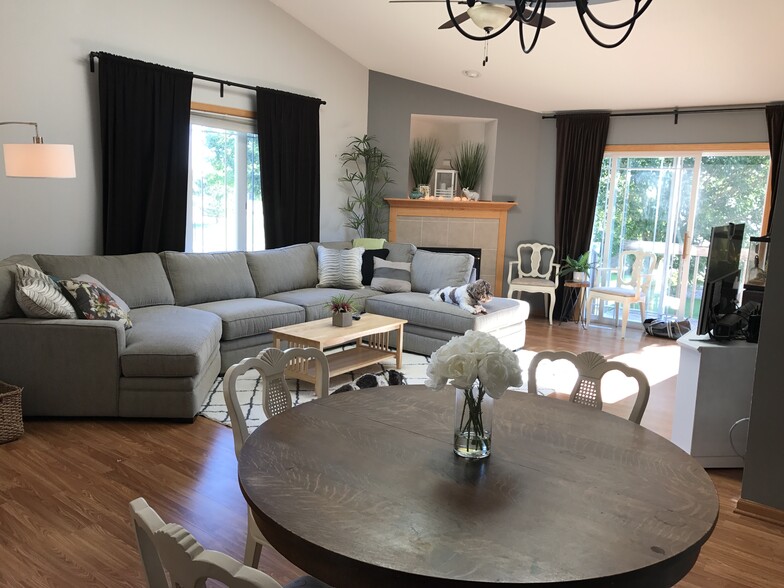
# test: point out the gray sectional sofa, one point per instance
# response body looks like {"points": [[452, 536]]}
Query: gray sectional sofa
{"points": [[194, 315]]}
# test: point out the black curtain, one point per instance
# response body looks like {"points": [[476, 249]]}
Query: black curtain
{"points": [[775, 115], [288, 126], [145, 127], [580, 142]]}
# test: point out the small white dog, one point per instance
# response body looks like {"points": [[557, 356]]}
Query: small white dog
{"points": [[469, 297]]}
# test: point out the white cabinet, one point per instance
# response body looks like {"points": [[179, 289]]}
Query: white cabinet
{"points": [[712, 392]]}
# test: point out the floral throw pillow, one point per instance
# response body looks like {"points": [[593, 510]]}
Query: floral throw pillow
{"points": [[94, 302]]}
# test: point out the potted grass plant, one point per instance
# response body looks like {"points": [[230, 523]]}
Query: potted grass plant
{"points": [[469, 162], [422, 161], [342, 308]]}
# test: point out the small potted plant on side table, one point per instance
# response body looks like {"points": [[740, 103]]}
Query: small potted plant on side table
{"points": [[342, 308], [577, 267]]}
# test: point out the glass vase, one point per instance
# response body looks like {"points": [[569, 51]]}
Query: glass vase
{"points": [[473, 422]]}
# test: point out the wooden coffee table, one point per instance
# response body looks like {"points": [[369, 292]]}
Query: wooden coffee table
{"points": [[370, 334]]}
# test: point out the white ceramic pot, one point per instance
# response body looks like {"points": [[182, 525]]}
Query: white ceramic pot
{"points": [[579, 277]]}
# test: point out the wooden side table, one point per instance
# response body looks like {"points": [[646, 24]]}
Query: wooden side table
{"points": [[574, 297]]}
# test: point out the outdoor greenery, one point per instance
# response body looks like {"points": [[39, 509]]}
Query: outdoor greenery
{"points": [[367, 172], [422, 159], [731, 189], [469, 162]]}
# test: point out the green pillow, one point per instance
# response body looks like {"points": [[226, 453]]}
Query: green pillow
{"points": [[369, 243]]}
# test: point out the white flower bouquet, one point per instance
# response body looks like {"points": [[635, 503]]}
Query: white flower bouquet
{"points": [[477, 365]]}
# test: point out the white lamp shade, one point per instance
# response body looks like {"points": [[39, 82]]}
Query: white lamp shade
{"points": [[39, 160], [489, 16]]}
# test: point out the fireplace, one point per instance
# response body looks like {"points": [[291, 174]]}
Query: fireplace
{"points": [[455, 225]]}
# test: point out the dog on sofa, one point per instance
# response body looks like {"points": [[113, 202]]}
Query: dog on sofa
{"points": [[469, 297]]}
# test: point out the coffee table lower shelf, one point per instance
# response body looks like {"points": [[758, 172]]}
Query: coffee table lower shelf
{"points": [[344, 361]]}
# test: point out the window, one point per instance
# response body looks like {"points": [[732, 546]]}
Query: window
{"points": [[666, 202], [224, 200]]}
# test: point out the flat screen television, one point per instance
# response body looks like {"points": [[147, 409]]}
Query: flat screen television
{"points": [[722, 276]]}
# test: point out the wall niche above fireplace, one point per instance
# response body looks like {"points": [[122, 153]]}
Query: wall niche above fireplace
{"points": [[451, 131]]}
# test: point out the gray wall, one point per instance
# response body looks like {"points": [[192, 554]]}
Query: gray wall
{"points": [[393, 100]]}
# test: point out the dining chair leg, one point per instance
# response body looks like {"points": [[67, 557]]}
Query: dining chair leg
{"points": [[624, 319], [642, 311], [252, 548], [587, 312], [551, 298]]}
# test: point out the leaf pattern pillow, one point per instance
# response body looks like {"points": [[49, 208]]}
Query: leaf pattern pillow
{"points": [[93, 302]]}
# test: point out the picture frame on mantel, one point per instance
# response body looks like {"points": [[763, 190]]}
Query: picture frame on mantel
{"points": [[445, 183]]}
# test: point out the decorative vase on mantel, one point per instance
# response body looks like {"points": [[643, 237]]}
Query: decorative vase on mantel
{"points": [[341, 319], [473, 422]]}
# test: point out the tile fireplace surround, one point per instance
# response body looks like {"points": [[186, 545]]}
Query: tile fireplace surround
{"points": [[454, 223]]}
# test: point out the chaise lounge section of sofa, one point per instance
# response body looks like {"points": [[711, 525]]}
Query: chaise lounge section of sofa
{"points": [[194, 315]]}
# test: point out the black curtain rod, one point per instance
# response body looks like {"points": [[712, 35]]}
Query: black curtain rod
{"points": [[222, 83], [676, 112]]}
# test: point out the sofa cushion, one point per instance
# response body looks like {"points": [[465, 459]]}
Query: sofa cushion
{"points": [[169, 342], [314, 300], [282, 269], [39, 296], [8, 306], [391, 276], [418, 309], [246, 317], [204, 277], [340, 268], [138, 278], [400, 251], [431, 270], [368, 263], [92, 302]]}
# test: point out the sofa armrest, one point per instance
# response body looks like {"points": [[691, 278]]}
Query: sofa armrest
{"points": [[66, 367]]}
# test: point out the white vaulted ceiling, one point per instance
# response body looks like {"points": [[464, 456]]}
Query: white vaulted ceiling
{"points": [[682, 53]]}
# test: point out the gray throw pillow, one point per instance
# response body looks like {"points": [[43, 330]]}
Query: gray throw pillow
{"points": [[431, 270], [391, 276], [340, 268], [39, 296]]}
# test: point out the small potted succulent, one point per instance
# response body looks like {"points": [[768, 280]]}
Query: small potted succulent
{"points": [[342, 308], [577, 267]]}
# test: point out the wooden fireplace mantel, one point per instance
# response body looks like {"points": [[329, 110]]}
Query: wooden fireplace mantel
{"points": [[454, 223]]}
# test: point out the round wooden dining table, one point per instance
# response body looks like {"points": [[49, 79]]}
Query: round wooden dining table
{"points": [[363, 489]]}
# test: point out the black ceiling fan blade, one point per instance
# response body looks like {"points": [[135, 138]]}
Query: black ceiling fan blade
{"points": [[461, 18], [546, 20]]}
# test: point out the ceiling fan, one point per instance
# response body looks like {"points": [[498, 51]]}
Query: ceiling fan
{"points": [[495, 16], [483, 14]]}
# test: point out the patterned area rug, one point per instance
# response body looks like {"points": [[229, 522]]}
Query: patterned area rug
{"points": [[249, 386]]}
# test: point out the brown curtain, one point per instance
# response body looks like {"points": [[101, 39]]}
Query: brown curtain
{"points": [[580, 142], [289, 153], [145, 134], [775, 115]]}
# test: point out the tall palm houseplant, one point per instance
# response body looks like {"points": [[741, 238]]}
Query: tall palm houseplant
{"points": [[367, 173]]}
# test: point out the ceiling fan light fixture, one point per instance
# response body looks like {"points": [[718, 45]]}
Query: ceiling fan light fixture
{"points": [[471, 73], [489, 17]]}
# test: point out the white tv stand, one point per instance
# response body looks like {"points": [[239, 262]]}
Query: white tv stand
{"points": [[712, 392]]}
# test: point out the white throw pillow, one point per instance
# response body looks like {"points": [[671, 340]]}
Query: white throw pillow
{"points": [[340, 268], [39, 296]]}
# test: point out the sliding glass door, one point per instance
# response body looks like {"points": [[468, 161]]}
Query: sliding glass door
{"points": [[666, 203]]}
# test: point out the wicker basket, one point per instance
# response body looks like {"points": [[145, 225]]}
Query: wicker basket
{"points": [[11, 426]]}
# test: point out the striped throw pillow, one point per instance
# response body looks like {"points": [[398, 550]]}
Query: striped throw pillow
{"points": [[340, 268], [391, 276], [39, 296]]}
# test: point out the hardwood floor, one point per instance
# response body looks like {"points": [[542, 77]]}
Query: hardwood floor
{"points": [[66, 484]]}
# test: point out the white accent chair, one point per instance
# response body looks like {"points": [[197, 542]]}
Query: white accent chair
{"points": [[271, 364], [631, 288], [591, 367], [167, 547], [536, 272]]}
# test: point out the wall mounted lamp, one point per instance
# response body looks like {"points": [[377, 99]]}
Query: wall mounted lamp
{"points": [[37, 159]]}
